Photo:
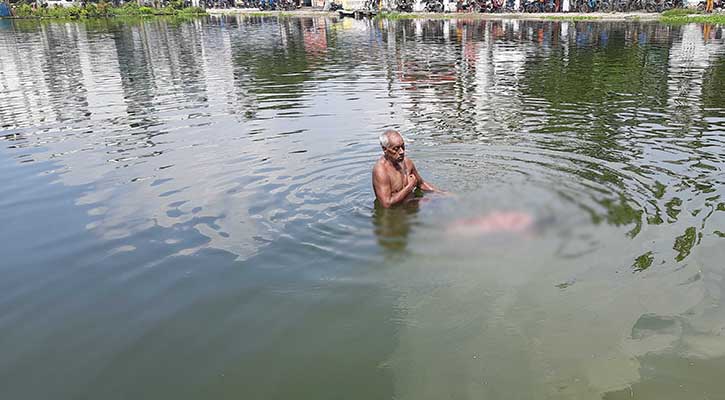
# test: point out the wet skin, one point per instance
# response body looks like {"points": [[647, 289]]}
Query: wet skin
{"points": [[395, 176]]}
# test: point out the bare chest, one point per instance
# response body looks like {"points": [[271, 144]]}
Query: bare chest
{"points": [[398, 178]]}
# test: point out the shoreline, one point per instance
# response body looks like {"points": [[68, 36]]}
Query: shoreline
{"points": [[448, 15], [561, 16], [666, 17]]}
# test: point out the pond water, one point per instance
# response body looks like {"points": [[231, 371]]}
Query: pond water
{"points": [[187, 210]]}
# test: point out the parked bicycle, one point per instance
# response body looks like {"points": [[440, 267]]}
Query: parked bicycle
{"points": [[433, 5], [404, 5], [540, 6], [370, 5], [586, 6], [468, 6]]}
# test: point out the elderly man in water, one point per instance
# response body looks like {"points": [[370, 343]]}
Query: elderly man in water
{"points": [[394, 175], [395, 178]]}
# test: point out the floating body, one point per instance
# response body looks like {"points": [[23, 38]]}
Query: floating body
{"points": [[494, 222]]}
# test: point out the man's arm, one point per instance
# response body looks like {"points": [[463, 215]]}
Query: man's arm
{"points": [[423, 185], [383, 192]]}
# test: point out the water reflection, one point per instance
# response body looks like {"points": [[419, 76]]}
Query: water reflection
{"points": [[193, 143], [393, 225]]}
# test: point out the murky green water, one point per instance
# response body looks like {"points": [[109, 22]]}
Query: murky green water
{"points": [[186, 210]]}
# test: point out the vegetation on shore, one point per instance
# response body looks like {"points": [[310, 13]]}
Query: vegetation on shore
{"points": [[687, 15], [674, 16], [392, 15], [105, 10], [571, 17], [281, 14], [678, 12]]}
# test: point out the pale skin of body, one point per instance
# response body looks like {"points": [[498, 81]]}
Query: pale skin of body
{"points": [[395, 176]]}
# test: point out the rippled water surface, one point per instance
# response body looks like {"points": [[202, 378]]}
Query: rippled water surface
{"points": [[186, 210]]}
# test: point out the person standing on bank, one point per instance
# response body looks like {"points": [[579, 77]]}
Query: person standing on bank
{"points": [[394, 175]]}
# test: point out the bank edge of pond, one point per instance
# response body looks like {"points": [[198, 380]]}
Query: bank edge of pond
{"points": [[103, 10], [392, 15], [552, 16], [679, 16], [282, 14], [699, 18]]}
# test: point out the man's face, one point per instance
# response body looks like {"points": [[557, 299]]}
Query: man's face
{"points": [[396, 148]]}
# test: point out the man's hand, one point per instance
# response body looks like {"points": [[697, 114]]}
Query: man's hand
{"points": [[383, 189], [412, 180]]}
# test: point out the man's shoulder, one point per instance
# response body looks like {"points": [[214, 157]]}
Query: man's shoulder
{"points": [[379, 168], [409, 163], [379, 165]]}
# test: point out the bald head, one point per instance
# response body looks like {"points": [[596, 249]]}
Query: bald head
{"points": [[388, 136]]}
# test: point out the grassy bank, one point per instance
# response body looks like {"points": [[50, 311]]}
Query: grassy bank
{"points": [[685, 15], [676, 16], [571, 18], [105, 10], [281, 14], [512, 15], [397, 15]]}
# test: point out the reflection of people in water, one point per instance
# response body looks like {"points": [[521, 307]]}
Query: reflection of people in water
{"points": [[395, 176]]}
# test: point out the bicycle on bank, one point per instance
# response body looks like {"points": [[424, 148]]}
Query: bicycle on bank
{"points": [[434, 6], [539, 6], [370, 5], [586, 6], [404, 5]]}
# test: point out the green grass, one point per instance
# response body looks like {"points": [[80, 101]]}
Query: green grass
{"points": [[281, 14], [260, 14], [678, 12], [571, 17], [397, 15], [105, 10], [687, 18]]}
